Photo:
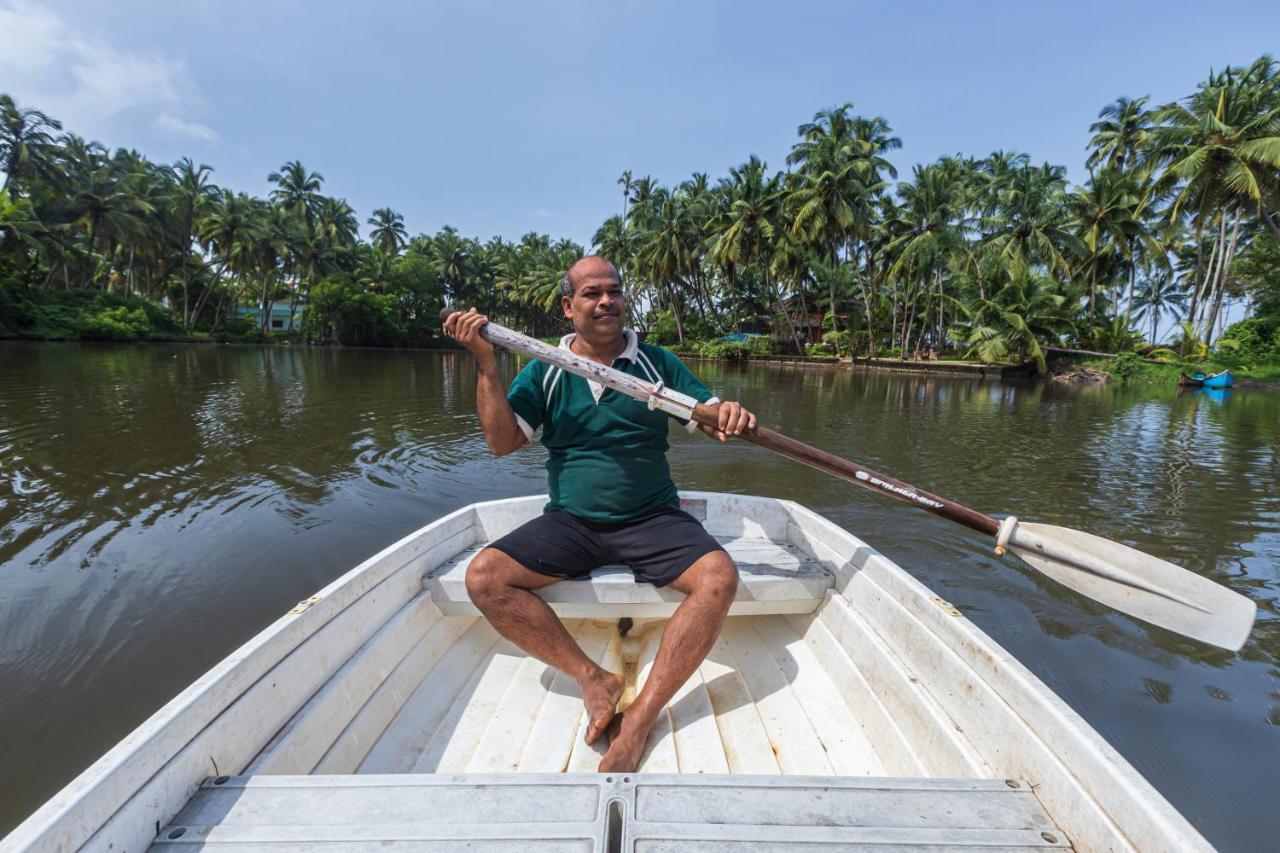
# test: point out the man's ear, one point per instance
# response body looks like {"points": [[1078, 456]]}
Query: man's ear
{"points": [[567, 304]]}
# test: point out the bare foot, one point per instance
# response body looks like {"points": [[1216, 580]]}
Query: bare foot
{"points": [[627, 737], [600, 695]]}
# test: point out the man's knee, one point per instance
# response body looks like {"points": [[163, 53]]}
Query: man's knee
{"points": [[719, 578], [485, 579]]}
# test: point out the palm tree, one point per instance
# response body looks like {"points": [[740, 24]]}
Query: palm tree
{"points": [[1220, 156], [627, 185], [1120, 133], [664, 255], [929, 234], [189, 195], [748, 232], [230, 232], [1023, 311], [828, 198], [24, 141], [388, 234], [297, 190], [1109, 215], [1029, 228], [1163, 294], [452, 263]]}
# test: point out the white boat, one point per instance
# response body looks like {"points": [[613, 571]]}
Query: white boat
{"points": [[844, 705]]}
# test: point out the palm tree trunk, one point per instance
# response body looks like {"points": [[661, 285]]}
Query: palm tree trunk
{"points": [[1228, 257], [835, 261], [1271, 223], [804, 306], [675, 311], [782, 306], [1203, 284]]}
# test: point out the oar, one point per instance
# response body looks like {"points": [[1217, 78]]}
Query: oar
{"points": [[1121, 577]]}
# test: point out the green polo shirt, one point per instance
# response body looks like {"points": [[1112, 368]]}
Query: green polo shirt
{"points": [[606, 453]]}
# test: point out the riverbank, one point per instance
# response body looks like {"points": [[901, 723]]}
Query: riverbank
{"points": [[1260, 377]]}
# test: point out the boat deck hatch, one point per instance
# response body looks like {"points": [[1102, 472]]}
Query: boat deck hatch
{"points": [[608, 813]]}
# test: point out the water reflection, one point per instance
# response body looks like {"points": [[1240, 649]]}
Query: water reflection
{"points": [[159, 505]]}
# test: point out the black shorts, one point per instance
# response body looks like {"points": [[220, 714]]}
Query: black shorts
{"points": [[657, 547]]}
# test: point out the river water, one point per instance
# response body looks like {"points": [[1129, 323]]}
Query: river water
{"points": [[160, 505]]}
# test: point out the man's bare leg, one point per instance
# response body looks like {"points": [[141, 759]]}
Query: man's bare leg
{"points": [[501, 588], [710, 584]]}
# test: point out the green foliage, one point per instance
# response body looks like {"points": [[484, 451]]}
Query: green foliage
{"points": [[83, 315], [343, 312], [751, 347], [1116, 335], [114, 324], [1188, 344], [663, 331], [841, 342], [1126, 365], [1256, 339]]}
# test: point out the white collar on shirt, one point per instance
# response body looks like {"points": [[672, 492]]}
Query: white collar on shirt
{"points": [[629, 353]]}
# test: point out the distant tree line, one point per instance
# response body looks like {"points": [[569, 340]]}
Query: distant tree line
{"points": [[993, 257]]}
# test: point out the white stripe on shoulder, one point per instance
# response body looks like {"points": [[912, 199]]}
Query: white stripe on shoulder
{"points": [[648, 365], [554, 382], [546, 378]]}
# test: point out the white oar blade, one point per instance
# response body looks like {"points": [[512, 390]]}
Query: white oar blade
{"points": [[1139, 584]]}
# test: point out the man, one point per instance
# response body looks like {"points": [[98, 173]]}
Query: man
{"points": [[612, 501]]}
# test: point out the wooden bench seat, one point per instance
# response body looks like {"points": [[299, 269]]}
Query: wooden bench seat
{"points": [[776, 578]]}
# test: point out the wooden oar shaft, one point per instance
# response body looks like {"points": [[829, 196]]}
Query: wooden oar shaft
{"points": [[852, 472]]}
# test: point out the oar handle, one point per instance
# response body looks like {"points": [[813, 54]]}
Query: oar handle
{"points": [[858, 475]]}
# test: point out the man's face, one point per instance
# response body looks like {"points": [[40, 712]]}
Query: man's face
{"points": [[597, 305]]}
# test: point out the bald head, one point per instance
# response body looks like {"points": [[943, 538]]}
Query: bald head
{"points": [[589, 267]]}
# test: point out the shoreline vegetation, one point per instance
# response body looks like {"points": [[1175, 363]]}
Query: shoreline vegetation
{"points": [[990, 260]]}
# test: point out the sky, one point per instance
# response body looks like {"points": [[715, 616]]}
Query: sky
{"points": [[501, 118]]}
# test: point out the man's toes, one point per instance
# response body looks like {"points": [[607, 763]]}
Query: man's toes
{"points": [[598, 723]]}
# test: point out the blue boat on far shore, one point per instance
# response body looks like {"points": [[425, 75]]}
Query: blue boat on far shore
{"points": [[1213, 380]]}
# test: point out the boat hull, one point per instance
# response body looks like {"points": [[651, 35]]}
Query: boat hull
{"points": [[862, 674], [1219, 380]]}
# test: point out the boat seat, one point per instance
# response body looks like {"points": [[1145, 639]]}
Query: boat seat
{"points": [[596, 812], [775, 578]]}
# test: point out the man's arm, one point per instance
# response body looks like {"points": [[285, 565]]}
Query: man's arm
{"points": [[501, 430]]}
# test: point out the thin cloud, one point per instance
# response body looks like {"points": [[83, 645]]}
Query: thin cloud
{"points": [[85, 82], [174, 126]]}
